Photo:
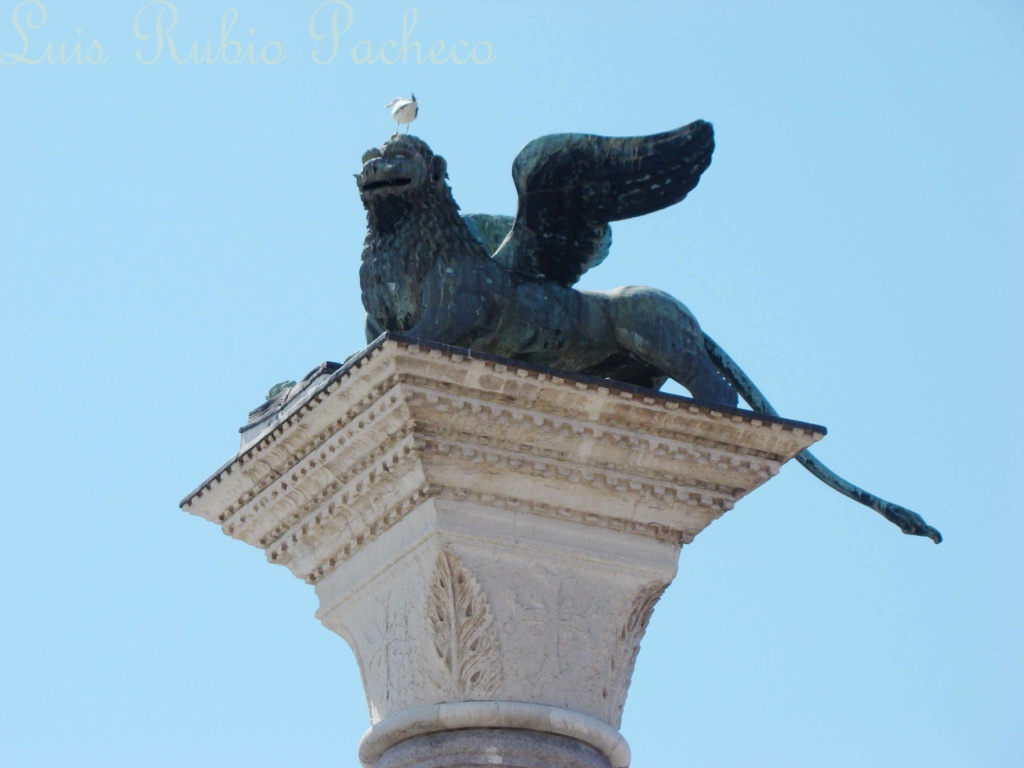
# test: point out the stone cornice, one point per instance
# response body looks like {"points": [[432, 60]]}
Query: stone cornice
{"points": [[407, 420], [274, 439]]}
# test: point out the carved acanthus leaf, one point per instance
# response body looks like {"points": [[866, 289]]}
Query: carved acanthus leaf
{"points": [[632, 632], [464, 637]]}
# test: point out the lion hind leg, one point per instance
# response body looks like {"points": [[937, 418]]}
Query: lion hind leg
{"points": [[697, 373], [659, 330], [706, 383]]}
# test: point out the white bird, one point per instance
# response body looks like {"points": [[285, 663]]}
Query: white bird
{"points": [[404, 111]]}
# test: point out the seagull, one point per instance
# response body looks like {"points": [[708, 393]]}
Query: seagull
{"points": [[404, 111]]}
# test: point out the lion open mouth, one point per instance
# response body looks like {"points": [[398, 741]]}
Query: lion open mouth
{"points": [[385, 183]]}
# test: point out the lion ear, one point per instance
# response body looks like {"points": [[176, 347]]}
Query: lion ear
{"points": [[440, 168]]}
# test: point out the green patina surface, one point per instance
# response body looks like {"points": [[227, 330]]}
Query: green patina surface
{"points": [[279, 388], [504, 285]]}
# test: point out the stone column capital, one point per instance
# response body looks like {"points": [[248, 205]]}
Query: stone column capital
{"points": [[489, 537]]}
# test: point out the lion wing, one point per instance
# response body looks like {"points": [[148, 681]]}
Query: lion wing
{"points": [[572, 185]]}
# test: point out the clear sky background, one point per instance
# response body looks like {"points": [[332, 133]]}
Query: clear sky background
{"points": [[176, 238]]}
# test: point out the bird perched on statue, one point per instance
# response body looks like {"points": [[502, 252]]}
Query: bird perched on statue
{"points": [[404, 111]]}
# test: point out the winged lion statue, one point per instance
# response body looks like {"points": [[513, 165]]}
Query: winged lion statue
{"points": [[505, 286]]}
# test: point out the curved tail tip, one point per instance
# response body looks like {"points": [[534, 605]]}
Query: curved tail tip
{"points": [[922, 529], [907, 521]]}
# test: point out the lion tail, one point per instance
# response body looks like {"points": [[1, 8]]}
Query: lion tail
{"points": [[906, 520]]}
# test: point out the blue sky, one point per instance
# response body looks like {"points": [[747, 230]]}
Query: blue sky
{"points": [[178, 237]]}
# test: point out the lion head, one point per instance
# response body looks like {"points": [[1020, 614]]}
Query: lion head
{"points": [[403, 166], [404, 184]]}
